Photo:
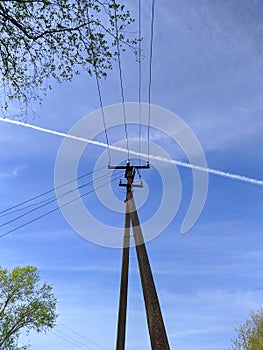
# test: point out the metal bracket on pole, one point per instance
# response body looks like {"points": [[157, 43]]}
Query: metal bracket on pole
{"points": [[133, 185]]}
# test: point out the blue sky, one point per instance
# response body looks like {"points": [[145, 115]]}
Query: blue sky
{"points": [[207, 69]]}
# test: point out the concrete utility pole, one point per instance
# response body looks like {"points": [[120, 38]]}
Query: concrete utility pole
{"points": [[121, 330], [156, 327]]}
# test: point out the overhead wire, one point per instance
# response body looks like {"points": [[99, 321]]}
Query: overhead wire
{"points": [[99, 90], [48, 191], [140, 78], [53, 199], [120, 77], [82, 336], [70, 340], [59, 207], [50, 199], [85, 346], [150, 75]]}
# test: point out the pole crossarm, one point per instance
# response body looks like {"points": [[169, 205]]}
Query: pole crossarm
{"points": [[156, 326], [128, 166]]}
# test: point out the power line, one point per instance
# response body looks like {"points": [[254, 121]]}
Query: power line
{"points": [[70, 340], [82, 336], [150, 75], [53, 199], [120, 76], [50, 199], [49, 191], [140, 78], [99, 90], [103, 117], [57, 208]]}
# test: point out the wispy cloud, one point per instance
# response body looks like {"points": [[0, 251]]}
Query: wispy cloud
{"points": [[200, 331], [215, 302], [13, 173], [84, 268]]}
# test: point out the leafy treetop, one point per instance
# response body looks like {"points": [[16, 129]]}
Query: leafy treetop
{"points": [[25, 304], [250, 334], [43, 39]]}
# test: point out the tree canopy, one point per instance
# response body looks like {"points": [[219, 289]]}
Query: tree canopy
{"points": [[250, 334], [25, 305], [43, 39]]}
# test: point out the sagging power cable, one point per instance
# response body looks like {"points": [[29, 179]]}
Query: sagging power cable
{"points": [[140, 77], [150, 75], [3, 212], [99, 89], [116, 177], [120, 77], [53, 199]]}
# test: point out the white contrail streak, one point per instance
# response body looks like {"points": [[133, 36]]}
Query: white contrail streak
{"points": [[158, 158]]}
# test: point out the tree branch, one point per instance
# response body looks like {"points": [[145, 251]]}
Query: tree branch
{"points": [[45, 32]]}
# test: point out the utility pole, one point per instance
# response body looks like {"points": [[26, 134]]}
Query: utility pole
{"points": [[156, 327], [121, 330]]}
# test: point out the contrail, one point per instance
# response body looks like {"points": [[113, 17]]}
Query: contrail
{"points": [[158, 158]]}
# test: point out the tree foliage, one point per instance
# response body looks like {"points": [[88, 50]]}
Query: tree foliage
{"points": [[250, 334], [43, 39], [25, 305]]}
